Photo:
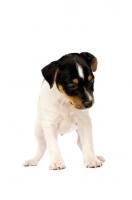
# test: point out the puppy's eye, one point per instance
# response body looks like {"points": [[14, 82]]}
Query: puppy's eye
{"points": [[72, 86]]}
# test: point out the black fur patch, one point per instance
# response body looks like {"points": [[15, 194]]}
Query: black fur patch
{"points": [[64, 70]]}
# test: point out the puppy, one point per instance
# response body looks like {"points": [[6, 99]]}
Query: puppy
{"points": [[65, 97]]}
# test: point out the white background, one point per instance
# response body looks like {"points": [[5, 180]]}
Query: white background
{"points": [[33, 34]]}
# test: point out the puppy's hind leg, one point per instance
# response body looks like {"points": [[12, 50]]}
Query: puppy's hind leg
{"points": [[80, 146], [39, 135]]}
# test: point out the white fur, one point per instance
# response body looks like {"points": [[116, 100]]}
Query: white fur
{"points": [[57, 115], [80, 71]]}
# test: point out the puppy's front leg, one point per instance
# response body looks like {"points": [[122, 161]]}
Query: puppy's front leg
{"points": [[85, 136], [56, 160]]}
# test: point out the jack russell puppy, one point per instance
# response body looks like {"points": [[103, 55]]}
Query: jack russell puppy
{"points": [[65, 97]]}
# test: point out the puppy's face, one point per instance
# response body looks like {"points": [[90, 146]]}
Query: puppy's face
{"points": [[74, 78]]}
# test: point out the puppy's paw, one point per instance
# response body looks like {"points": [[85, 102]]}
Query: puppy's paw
{"points": [[57, 164], [93, 161], [32, 162]]}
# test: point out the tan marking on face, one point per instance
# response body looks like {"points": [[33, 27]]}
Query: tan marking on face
{"points": [[75, 80], [76, 102], [90, 78], [55, 77]]}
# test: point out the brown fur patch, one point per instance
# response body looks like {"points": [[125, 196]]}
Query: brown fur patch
{"points": [[75, 80], [55, 77], [76, 102], [94, 64], [89, 78]]}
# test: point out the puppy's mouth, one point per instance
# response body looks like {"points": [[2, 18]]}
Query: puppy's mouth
{"points": [[76, 105], [84, 106]]}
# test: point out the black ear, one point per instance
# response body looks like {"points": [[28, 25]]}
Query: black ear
{"points": [[91, 59], [49, 72]]}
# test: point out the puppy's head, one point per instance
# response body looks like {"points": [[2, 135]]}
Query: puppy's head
{"points": [[73, 75]]}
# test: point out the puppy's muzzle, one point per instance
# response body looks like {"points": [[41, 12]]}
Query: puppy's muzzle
{"points": [[85, 105]]}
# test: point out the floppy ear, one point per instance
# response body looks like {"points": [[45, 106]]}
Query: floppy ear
{"points": [[50, 72], [92, 61]]}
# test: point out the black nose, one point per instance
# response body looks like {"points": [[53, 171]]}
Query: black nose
{"points": [[88, 104]]}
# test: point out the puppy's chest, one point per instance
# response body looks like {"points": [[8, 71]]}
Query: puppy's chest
{"points": [[66, 119]]}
